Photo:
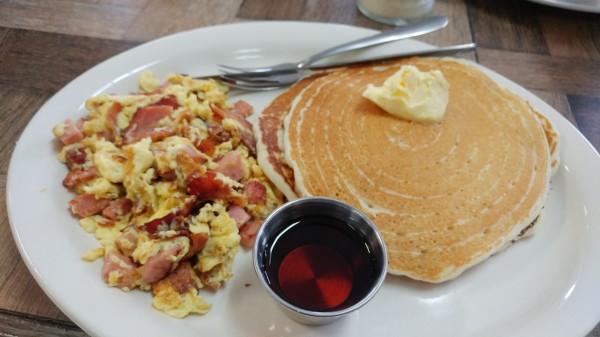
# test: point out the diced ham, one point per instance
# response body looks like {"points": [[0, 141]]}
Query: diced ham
{"points": [[76, 177], [232, 165], [145, 123], [190, 153], [256, 192], [86, 204], [239, 214], [71, 132], [117, 209], [207, 186], [243, 108], [169, 100], [128, 241], [157, 266], [182, 278], [121, 264], [76, 157], [248, 233], [197, 243]]}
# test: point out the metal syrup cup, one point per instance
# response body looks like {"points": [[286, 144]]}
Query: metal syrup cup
{"points": [[298, 209]]}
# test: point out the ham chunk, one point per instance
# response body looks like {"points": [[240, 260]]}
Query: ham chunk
{"points": [[256, 192], [182, 278], [232, 165], [69, 132], [122, 268], [128, 241], [118, 208], [146, 123], [157, 266], [248, 233], [238, 214], [86, 205], [76, 177]]}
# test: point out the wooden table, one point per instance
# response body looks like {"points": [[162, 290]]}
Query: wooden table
{"points": [[45, 44]]}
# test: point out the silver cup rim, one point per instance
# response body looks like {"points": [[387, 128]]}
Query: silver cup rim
{"points": [[311, 313]]}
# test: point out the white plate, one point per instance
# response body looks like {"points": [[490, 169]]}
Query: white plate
{"points": [[543, 286], [591, 6]]}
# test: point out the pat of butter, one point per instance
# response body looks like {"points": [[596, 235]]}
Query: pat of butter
{"points": [[412, 94]]}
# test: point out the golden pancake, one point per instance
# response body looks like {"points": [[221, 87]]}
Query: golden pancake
{"points": [[445, 195]]}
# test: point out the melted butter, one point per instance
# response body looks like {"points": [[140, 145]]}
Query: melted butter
{"points": [[412, 94]]}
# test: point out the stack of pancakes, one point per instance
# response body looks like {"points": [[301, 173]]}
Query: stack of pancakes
{"points": [[445, 195]]}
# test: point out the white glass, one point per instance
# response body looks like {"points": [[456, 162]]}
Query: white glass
{"points": [[395, 12]]}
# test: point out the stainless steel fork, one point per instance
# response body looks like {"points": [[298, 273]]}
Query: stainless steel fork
{"points": [[269, 80]]}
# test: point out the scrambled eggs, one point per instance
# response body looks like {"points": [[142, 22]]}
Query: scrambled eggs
{"points": [[167, 181]]}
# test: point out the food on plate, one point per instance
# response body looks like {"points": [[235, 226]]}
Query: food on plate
{"points": [[167, 181], [445, 195], [409, 93]]}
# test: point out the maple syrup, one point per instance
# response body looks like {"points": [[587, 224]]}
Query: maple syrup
{"points": [[319, 264]]}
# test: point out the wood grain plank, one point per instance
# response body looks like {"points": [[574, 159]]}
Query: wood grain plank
{"points": [[506, 25], [12, 325], [159, 18], [586, 110], [542, 72], [334, 11], [70, 17], [458, 30], [48, 61], [571, 34]]}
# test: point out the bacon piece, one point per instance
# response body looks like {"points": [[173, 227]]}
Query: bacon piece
{"points": [[86, 204], [145, 123], [170, 175], [238, 214], [248, 233], [232, 165], [217, 133], [207, 186], [76, 177], [111, 121], [173, 221], [206, 147], [256, 192], [72, 132], [126, 268], [117, 209], [197, 243], [128, 241], [152, 227], [76, 157], [239, 112], [157, 266], [182, 278]]}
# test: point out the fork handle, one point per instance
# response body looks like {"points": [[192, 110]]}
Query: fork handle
{"points": [[423, 27]]}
